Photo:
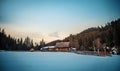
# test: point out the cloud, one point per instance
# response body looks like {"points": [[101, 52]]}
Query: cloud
{"points": [[54, 34]]}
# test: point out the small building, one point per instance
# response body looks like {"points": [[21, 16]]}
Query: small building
{"points": [[114, 50], [51, 48], [31, 50], [62, 46], [73, 49], [48, 48]]}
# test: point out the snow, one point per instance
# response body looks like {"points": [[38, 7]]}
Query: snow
{"points": [[56, 61], [49, 47]]}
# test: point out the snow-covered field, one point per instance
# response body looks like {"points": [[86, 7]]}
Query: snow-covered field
{"points": [[56, 61]]}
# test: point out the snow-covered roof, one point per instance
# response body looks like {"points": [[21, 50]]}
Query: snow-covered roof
{"points": [[49, 47]]}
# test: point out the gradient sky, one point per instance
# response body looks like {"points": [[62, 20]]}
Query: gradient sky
{"points": [[54, 19]]}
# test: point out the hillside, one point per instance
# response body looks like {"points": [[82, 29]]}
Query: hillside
{"points": [[108, 34]]}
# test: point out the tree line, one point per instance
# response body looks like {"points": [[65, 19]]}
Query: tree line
{"points": [[9, 43]]}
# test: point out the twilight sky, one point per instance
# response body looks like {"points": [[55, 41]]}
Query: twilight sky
{"points": [[54, 19]]}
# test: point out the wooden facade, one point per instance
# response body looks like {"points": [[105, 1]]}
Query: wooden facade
{"points": [[62, 46]]}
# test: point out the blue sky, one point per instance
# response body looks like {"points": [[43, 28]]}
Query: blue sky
{"points": [[55, 19]]}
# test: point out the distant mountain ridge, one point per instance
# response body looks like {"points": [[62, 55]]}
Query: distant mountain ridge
{"points": [[53, 43]]}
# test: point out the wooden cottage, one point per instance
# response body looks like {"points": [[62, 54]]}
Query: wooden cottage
{"points": [[62, 46]]}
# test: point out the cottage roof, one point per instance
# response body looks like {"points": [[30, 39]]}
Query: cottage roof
{"points": [[49, 47], [62, 44]]}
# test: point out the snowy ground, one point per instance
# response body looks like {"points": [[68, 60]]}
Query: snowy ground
{"points": [[56, 61]]}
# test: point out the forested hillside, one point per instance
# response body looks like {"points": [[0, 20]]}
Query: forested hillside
{"points": [[108, 34]]}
